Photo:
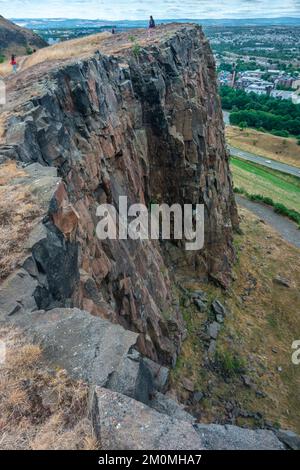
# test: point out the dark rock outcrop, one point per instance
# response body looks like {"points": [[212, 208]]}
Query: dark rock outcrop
{"points": [[148, 127]]}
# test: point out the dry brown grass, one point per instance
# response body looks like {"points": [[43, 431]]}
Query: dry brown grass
{"points": [[5, 69], [19, 211], [80, 48], [285, 150], [60, 51], [40, 408], [67, 50]]}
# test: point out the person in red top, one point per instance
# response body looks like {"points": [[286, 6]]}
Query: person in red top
{"points": [[13, 63]]}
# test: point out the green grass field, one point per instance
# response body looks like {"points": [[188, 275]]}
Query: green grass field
{"points": [[255, 179]]}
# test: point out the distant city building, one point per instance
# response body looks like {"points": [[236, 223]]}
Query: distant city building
{"points": [[286, 95], [296, 84], [259, 89], [251, 81]]}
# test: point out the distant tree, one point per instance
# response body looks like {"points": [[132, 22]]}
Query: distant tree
{"points": [[280, 133], [261, 111], [243, 125]]}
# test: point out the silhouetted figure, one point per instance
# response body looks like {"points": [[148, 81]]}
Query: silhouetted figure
{"points": [[113, 30], [13, 63], [151, 23], [151, 26]]}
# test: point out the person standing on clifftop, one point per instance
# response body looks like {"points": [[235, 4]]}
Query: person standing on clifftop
{"points": [[151, 26], [13, 63]]}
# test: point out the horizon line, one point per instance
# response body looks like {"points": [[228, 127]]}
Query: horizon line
{"points": [[158, 19]]}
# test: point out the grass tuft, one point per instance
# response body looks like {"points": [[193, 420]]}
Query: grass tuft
{"points": [[40, 408]]}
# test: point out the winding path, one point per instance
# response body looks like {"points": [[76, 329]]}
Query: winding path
{"points": [[287, 229]]}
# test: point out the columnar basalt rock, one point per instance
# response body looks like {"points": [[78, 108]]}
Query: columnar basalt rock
{"points": [[148, 126]]}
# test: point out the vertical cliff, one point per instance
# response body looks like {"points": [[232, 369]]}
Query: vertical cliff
{"points": [[145, 122]]}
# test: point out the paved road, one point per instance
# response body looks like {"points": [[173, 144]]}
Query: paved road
{"points": [[287, 229], [289, 169], [251, 157], [226, 117]]}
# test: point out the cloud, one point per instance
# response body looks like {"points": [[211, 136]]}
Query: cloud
{"points": [[137, 9]]}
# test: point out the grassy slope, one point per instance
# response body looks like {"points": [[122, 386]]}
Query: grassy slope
{"points": [[86, 46], [284, 189], [285, 150], [263, 323]]}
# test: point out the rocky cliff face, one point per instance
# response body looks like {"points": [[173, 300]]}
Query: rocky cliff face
{"points": [[145, 123]]}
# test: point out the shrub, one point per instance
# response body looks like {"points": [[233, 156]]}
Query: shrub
{"points": [[243, 125], [229, 363], [136, 49], [280, 133]]}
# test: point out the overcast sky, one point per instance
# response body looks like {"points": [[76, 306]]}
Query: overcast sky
{"points": [[139, 9]]}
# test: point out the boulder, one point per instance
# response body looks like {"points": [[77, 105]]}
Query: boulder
{"points": [[197, 396], [212, 348], [16, 294], [228, 437], [160, 374], [289, 438], [201, 306], [132, 378], [218, 308], [121, 423], [188, 384], [213, 330], [282, 281], [90, 349], [170, 407], [199, 294]]}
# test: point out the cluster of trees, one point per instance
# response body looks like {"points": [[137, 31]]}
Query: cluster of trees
{"points": [[261, 112], [240, 66]]}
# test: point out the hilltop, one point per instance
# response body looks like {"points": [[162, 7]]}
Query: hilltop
{"points": [[17, 40]]}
